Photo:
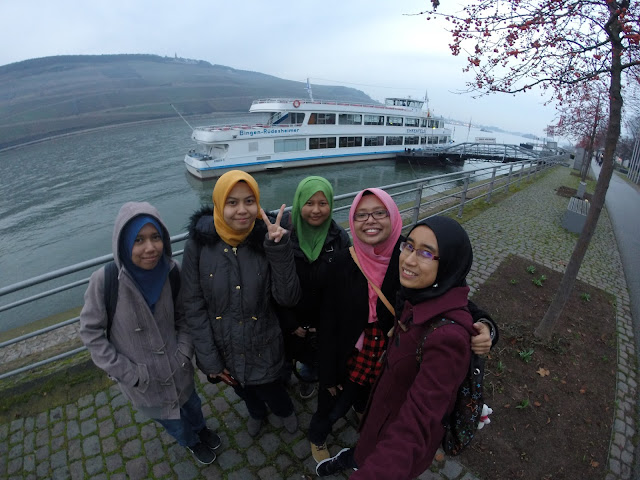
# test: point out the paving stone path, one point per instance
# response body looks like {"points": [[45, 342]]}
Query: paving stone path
{"points": [[100, 436]]}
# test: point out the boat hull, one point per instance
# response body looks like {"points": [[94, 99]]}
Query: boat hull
{"points": [[211, 169]]}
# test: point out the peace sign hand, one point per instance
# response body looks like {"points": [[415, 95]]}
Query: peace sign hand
{"points": [[275, 231]]}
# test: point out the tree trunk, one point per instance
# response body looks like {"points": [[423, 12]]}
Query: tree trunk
{"points": [[550, 318]]}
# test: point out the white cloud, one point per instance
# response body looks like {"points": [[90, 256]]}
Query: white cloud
{"points": [[364, 44]]}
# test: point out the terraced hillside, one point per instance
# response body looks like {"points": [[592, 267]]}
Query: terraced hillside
{"points": [[49, 96]]}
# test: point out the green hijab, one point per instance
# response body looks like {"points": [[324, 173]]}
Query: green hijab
{"points": [[311, 239]]}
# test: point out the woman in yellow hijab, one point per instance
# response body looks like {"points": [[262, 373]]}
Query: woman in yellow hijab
{"points": [[235, 267]]}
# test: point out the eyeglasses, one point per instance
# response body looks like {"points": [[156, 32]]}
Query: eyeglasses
{"points": [[408, 249], [377, 215]]}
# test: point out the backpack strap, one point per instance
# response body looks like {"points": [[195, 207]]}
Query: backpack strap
{"points": [[376, 289], [110, 293], [174, 281], [430, 328]]}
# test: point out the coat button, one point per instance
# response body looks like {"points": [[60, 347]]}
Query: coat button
{"points": [[210, 275], [240, 322], [226, 250], [237, 287]]}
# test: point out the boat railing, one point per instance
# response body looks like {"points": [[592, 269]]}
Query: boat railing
{"points": [[224, 128], [333, 102], [416, 199]]}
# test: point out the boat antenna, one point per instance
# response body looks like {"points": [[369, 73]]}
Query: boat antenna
{"points": [[308, 89], [426, 99], [181, 116]]}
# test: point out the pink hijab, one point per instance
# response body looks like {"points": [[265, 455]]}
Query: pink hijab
{"points": [[374, 260]]}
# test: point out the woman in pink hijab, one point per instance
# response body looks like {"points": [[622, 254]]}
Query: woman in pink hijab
{"points": [[357, 318]]}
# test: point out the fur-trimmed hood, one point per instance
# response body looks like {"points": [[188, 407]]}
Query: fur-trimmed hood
{"points": [[202, 230]]}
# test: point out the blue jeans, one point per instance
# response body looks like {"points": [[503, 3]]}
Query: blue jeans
{"points": [[185, 430]]}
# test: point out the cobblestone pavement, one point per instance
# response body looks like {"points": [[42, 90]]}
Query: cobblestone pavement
{"points": [[100, 436]]}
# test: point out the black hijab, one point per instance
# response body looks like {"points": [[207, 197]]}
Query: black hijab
{"points": [[456, 257]]}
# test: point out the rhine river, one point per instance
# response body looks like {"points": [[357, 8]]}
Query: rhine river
{"points": [[59, 198]]}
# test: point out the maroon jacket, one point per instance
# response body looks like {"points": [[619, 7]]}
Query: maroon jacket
{"points": [[403, 425]]}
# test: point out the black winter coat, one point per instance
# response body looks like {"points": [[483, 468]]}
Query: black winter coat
{"points": [[228, 298], [314, 277]]}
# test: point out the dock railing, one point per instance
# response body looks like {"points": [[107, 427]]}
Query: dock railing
{"points": [[416, 199]]}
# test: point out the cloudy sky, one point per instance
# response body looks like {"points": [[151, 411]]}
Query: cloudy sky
{"points": [[377, 46]]}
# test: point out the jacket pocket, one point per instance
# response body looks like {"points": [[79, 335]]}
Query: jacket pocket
{"points": [[184, 362], [143, 378]]}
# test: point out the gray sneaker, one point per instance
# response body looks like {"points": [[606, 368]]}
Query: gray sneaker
{"points": [[291, 423], [202, 453], [253, 426]]}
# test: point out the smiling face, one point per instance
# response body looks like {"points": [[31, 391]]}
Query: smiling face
{"points": [[240, 208], [415, 271], [147, 248], [316, 210], [372, 231]]}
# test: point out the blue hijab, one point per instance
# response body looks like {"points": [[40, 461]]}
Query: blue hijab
{"points": [[149, 282]]}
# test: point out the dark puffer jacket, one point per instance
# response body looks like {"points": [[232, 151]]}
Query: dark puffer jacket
{"points": [[228, 298]]}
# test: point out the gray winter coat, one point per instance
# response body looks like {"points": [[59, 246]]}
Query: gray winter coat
{"points": [[228, 295], [153, 350]]}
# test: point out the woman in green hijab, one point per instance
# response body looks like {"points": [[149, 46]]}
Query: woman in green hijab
{"points": [[316, 239]]}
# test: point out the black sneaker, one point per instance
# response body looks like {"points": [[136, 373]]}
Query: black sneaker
{"points": [[307, 390], [202, 453], [209, 438], [335, 464]]}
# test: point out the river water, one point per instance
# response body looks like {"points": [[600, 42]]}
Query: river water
{"points": [[59, 198]]}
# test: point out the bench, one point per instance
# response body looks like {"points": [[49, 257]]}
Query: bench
{"points": [[576, 214]]}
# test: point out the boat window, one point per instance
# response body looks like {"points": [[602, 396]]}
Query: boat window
{"points": [[432, 140], [412, 122], [443, 140], [289, 145], [253, 146], [394, 140], [374, 119], [395, 121], [349, 119], [322, 142], [434, 123], [326, 119], [296, 118], [423, 140], [411, 140], [350, 142], [373, 141], [312, 119], [423, 122]]}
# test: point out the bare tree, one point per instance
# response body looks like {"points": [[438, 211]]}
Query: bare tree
{"points": [[554, 45]]}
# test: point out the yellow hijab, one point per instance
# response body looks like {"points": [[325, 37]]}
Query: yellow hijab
{"points": [[221, 191]]}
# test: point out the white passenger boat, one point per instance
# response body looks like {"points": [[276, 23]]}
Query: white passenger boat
{"points": [[298, 132]]}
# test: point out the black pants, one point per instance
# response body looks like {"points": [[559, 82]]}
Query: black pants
{"points": [[331, 409], [258, 397]]}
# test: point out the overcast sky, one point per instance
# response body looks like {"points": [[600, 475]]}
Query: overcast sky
{"points": [[376, 46]]}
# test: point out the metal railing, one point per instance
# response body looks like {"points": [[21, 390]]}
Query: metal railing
{"points": [[416, 199]]}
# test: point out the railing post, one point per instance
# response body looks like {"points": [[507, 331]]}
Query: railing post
{"points": [[463, 197], [416, 208], [529, 172], [520, 174], [509, 176], [493, 179]]}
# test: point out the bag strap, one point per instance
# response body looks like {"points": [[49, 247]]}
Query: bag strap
{"points": [[111, 291], [376, 289]]}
